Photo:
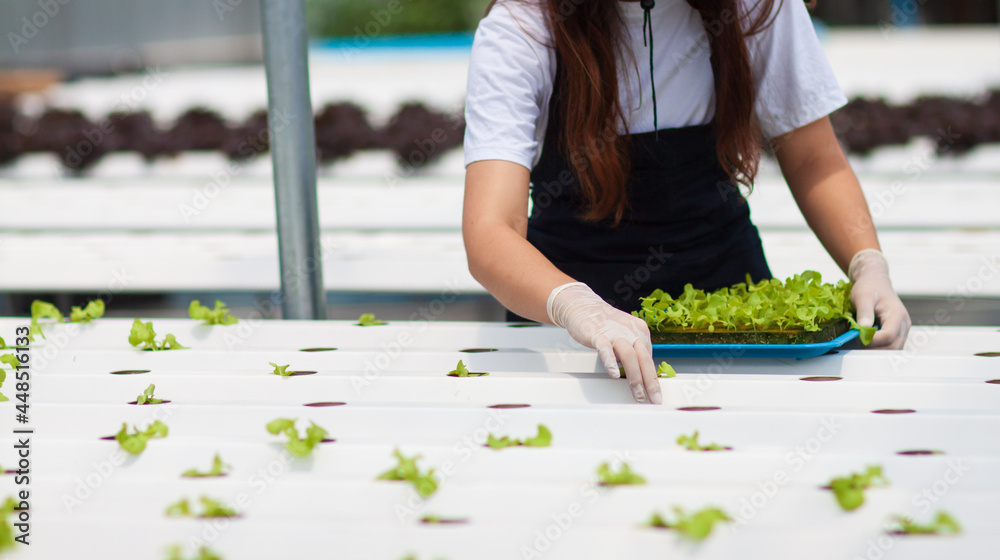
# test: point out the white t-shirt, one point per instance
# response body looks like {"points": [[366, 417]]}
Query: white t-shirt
{"points": [[513, 67]]}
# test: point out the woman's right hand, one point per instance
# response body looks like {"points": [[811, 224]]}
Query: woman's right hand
{"points": [[616, 335]]}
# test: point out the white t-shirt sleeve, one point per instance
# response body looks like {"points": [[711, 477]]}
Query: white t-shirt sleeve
{"points": [[795, 83], [509, 86]]}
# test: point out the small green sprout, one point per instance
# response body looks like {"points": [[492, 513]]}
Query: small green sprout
{"points": [[280, 370], [218, 469], [437, 519], [942, 524], [850, 490], [146, 397], [608, 477], [209, 509], [369, 320], [93, 310], [14, 363], [691, 443], [424, 483], [462, 371], [143, 333], [543, 439], [204, 553], [218, 316], [665, 370], [7, 541], [3, 345], [297, 446], [697, 525], [135, 443], [42, 310]]}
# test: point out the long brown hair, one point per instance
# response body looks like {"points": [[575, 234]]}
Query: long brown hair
{"points": [[588, 38]]}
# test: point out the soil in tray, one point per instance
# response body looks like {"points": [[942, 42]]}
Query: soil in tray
{"points": [[680, 335]]}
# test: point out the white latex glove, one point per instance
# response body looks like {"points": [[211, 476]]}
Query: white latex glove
{"points": [[873, 296], [615, 335]]}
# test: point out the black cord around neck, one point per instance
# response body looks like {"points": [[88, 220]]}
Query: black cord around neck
{"points": [[647, 24]]}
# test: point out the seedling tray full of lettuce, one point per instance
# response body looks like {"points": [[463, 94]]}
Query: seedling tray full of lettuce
{"points": [[800, 317]]}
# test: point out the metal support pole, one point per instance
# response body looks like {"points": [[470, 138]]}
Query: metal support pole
{"points": [[293, 155]]}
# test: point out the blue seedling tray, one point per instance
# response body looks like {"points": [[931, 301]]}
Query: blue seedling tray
{"points": [[786, 351]]}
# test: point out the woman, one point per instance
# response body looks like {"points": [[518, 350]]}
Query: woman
{"points": [[630, 126]]}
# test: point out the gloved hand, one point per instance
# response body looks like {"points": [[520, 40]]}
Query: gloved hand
{"points": [[615, 335], [873, 296]]}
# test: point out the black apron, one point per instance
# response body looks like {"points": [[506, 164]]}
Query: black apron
{"points": [[686, 222]]}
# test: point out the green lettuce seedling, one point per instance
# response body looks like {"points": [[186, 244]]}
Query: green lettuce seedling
{"points": [[691, 443], [543, 439], [462, 371], [218, 316], [369, 320], [135, 443], [850, 490], [424, 483], [280, 370], [42, 310], [432, 518], [218, 469], [696, 525], [204, 553], [14, 363], [298, 446], [146, 397], [608, 477], [942, 524], [93, 310], [143, 333], [665, 370], [209, 509], [7, 541]]}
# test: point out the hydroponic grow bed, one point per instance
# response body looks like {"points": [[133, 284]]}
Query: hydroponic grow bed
{"points": [[792, 426]]}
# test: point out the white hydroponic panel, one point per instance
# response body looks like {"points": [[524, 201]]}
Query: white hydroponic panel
{"points": [[792, 425]]}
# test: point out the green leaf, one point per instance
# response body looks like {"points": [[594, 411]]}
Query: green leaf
{"points": [[280, 425], [42, 310], [369, 320], [142, 333], [608, 477], [93, 310], [280, 370], [542, 439], [942, 523], [462, 371], [406, 469], [170, 343], [218, 316], [696, 526], [214, 508], [181, 508], [849, 490], [7, 541], [204, 553], [14, 363], [218, 469], [691, 443], [665, 370], [296, 445], [135, 442], [3, 345], [147, 396]]}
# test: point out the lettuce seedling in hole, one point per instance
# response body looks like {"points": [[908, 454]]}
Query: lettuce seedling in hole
{"points": [[543, 439], [942, 524], [14, 363], [218, 469], [850, 490], [665, 370], [209, 509], [146, 397], [7, 541], [369, 320], [204, 553], [608, 477], [696, 525], [135, 443], [218, 316], [424, 483], [143, 333], [45, 310], [462, 371], [93, 310], [280, 370], [437, 519], [298, 446], [691, 443]]}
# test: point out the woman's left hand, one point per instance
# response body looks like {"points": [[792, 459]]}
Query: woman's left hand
{"points": [[873, 296]]}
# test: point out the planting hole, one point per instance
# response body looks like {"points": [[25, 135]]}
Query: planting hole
{"points": [[324, 404], [821, 378], [150, 404], [471, 374], [994, 381], [988, 354], [523, 325], [698, 408], [479, 350], [317, 349], [108, 438], [445, 521], [129, 371], [918, 452], [509, 406], [894, 411], [327, 440], [297, 373]]}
